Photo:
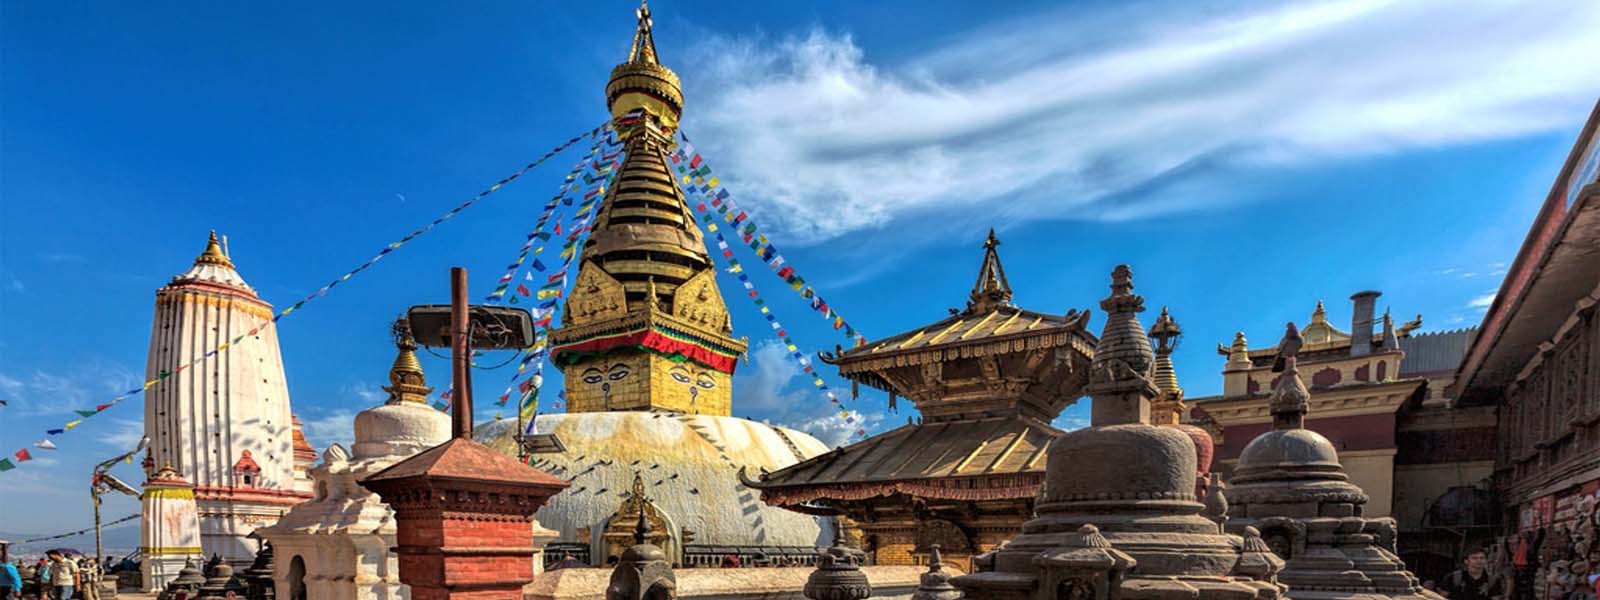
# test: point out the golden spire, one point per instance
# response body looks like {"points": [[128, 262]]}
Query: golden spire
{"points": [[644, 44], [1168, 409], [642, 83], [991, 290], [407, 383], [1320, 315], [214, 254], [1239, 352]]}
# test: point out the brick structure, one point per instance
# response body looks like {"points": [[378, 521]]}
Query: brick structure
{"points": [[465, 520]]}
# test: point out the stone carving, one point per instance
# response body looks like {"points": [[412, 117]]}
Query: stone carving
{"points": [[187, 583], [1258, 561], [935, 584], [596, 296], [1216, 502], [1085, 567], [838, 576]]}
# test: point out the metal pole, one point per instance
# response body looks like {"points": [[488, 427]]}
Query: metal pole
{"points": [[99, 548], [460, 355]]}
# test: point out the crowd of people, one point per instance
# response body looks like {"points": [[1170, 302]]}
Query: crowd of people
{"points": [[1476, 581], [54, 577]]}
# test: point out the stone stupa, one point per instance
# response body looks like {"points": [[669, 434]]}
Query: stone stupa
{"points": [[1289, 485], [1118, 517]]}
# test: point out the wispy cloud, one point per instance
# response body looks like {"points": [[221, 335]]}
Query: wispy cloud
{"points": [[1482, 302], [1059, 119], [48, 393], [835, 429], [765, 392], [124, 434], [324, 427]]}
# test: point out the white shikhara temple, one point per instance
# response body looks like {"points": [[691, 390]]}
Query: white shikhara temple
{"points": [[222, 424]]}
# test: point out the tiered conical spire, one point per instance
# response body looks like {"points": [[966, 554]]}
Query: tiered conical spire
{"points": [[407, 382], [642, 83], [213, 254], [991, 290], [1168, 409], [1120, 376]]}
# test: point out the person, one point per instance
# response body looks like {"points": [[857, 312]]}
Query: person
{"points": [[63, 576], [41, 579], [89, 580], [10, 580], [1472, 581]]}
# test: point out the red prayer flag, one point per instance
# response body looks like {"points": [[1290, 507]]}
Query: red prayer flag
{"points": [[785, 272], [558, 229], [694, 163], [23, 456], [523, 289]]}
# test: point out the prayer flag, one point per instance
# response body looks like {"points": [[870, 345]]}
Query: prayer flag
{"points": [[537, 265], [71, 424], [5, 465], [523, 289], [84, 413], [23, 456], [55, 431], [46, 444]]}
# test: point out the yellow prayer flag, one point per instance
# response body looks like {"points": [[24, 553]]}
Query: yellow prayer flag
{"points": [[712, 227], [715, 181], [72, 424]]}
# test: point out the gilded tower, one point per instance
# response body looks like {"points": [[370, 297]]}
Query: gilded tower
{"points": [[645, 327]]}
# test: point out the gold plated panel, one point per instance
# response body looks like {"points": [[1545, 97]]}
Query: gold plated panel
{"points": [[595, 297], [698, 302]]}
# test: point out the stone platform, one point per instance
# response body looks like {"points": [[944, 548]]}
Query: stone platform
{"points": [[764, 583]]}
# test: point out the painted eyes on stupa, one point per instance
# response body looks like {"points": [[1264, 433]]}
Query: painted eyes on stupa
{"points": [[705, 381], [681, 377], [617, 372]]}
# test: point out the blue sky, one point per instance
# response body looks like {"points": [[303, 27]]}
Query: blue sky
{"points": [[1244, 159]]}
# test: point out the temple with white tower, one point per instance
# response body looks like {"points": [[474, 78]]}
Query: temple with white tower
{"points": [[222, 423]]}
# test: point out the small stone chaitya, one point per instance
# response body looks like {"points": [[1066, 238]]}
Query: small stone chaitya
{"points": [[1289, 486], [1118, 515]]}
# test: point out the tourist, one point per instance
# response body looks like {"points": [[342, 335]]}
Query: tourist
{"points": [[63, 576], [1472, 582], [41, 579], [89, 580], [10, 580]]}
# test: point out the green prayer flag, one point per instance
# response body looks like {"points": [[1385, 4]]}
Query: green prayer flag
{"points": [[5, 465], [84, 413]]}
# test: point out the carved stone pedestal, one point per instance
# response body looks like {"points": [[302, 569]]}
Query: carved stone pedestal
{"points": [[464, 518]]}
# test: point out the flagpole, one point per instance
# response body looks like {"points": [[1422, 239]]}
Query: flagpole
{"points": [[99, 547]]}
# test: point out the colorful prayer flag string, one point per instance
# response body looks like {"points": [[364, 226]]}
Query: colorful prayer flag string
{"points": [[696, 178], [24, 456], [778, 330]]}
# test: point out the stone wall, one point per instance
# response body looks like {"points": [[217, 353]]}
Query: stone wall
{"points": [[888, 582]]}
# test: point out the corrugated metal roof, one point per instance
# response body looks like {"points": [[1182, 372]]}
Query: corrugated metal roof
{"points": [[1435, 351], [934, 450], [964, 328]]}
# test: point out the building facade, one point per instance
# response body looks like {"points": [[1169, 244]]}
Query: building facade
{"points": [[987, 382], [1379, 393], [219, 412], [1537, 362]]}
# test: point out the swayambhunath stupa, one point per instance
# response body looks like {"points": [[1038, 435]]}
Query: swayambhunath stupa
{"points": [[651, 400]]}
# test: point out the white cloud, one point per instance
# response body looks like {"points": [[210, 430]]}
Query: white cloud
{"points": [[1048, 116], [324, 427], [836, 429], [124, 434], [1482, 302], [367, 394], [771, 370]]}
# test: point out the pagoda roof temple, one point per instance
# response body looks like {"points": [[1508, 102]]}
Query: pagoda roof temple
{"points": [[987, 380]]}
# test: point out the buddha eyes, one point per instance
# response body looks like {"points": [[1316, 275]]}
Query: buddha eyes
{"points": [[617, 372], [706, 382], [681, 377]]}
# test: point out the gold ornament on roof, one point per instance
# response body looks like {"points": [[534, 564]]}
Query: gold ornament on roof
{"points": [[213, 254], [407, 382]]}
